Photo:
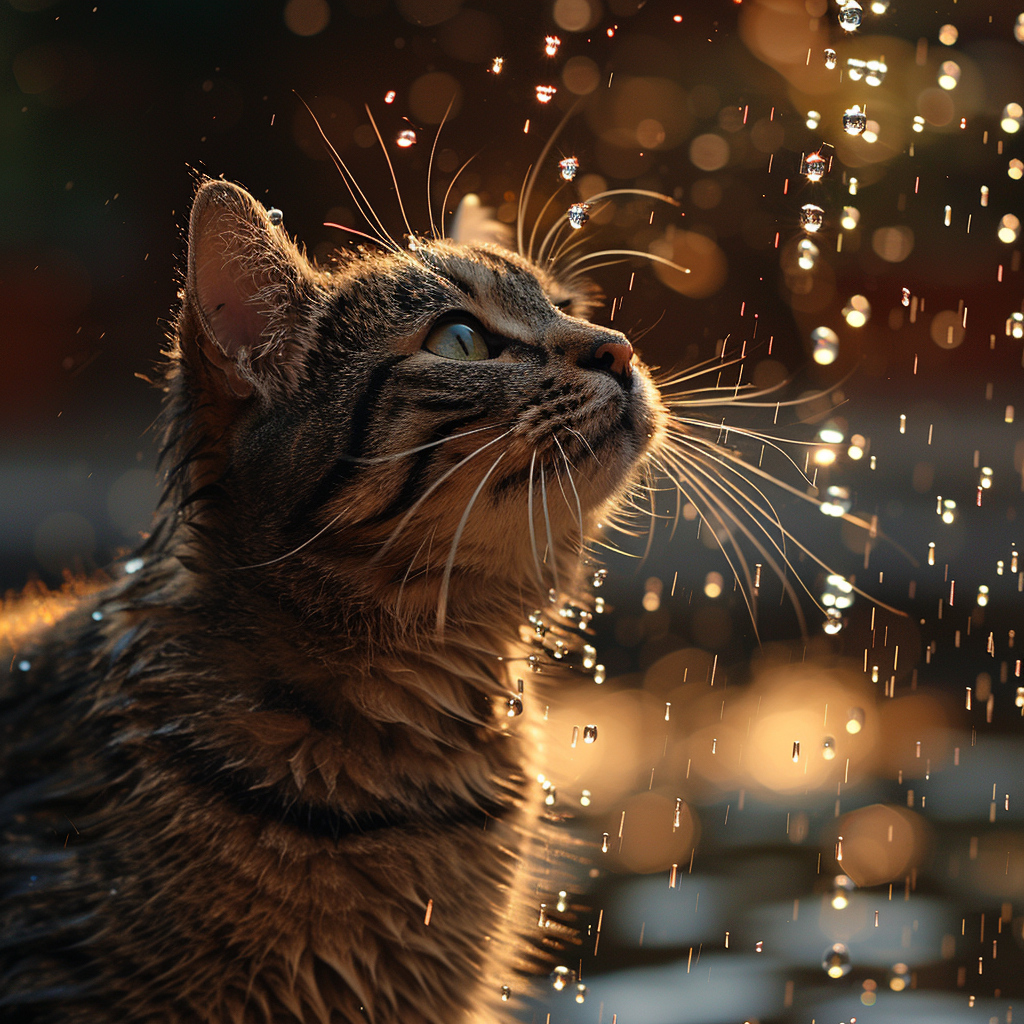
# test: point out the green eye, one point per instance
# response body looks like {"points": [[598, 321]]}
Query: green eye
{"points": [[456, 340]]}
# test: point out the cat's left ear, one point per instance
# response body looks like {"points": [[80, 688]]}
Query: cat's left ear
{"points": [[245, 278]]}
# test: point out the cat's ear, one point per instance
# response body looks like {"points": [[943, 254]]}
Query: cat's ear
{"points": [[244, 280]]}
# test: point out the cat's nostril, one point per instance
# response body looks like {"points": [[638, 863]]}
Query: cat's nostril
{"points": [[614, 356]]}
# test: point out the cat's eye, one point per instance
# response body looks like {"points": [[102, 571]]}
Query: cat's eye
{"points": [[457, 340]]}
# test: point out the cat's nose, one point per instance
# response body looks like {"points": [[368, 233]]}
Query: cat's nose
{"points": [[615, 357]]}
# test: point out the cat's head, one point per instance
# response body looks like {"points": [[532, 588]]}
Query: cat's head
{"points": [[399, 418]]}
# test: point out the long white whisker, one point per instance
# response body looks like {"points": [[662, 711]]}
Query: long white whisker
{"points": [[426, 494], [653, 257], [430, 167], [547, 528], [540, 217], [451, 185], [378, 459], [442, 600], [572, 484], [391, 168], [533, 528], [295, 550]]}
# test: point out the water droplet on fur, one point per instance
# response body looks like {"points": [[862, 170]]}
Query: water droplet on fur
{"points": [[581, 992], [513, 707], [506, 993], [562, 976], [589, 733], [830, 58], [811, 217], [568, 167], [579, 214], [275, 216]]}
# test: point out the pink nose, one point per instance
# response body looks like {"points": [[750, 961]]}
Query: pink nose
{"points": [[616, 357]]}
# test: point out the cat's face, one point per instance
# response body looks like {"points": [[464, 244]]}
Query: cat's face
{"points": [[440, 407]]}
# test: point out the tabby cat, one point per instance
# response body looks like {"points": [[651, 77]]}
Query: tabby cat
{"points": [[276, 770]]}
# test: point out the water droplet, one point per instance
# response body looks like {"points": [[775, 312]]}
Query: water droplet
{"points": [[828, 748], [905, 298], [597, 580], [578, 215], [1015, 326], [599, 674], [854, 121], [589, 733], [589, 656], [562, 905], [814, 166], [811, 217], [678, 812], [585, 798], [506, 993], [562, 976], [97, 616], [551, 796], [569, 166], [833, 624], [806, 254], [514, 707], [826, 345], [133, 565], [275, 216], [836, 961], [551, 45], [855, 721], [581, 992], [759, 946], [830, 58], [545, 92], [849, 16], [24, 665], [604, 842], [496, 65], [406, 138]]}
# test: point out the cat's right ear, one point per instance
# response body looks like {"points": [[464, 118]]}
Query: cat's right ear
{"points": [[245, 278]]}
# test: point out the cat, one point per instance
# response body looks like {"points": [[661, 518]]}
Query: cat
{"points": [[282, 768]]}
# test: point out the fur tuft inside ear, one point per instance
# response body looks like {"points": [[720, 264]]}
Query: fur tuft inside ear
{"points": [[244, 276]]}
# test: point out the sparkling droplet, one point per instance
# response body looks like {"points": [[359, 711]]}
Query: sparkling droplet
{"points": [[604, 842], [678, 813], [275, 216], [836, 961], [854, 121], [589, 733], [811, 217], [545, 92], [24, 665], [506, 993], [828, 748], [496, 65], [830, 58], [133, 565], [585, 798], [599, 674], [562, 905], [514, 707], [806, 254], [826, 345], [905, 298], [551, 796], [1015, 326], [551, 45], [97, 616], [833, 624], [406, 138], [562, 976], [814, 166], [568, 167], [578, 215], [581, 992], [849, 16], [597, 580], [759, 946]]}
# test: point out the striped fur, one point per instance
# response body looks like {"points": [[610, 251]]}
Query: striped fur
{"points": [[236, 779]]}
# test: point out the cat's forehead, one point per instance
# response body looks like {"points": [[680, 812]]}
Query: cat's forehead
{"points": [[433, 277]]}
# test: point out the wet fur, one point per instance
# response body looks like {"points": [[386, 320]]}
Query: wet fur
{"points": [[236, 779]]}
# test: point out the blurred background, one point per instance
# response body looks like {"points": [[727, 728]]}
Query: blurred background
{"points": [[803, 823]]}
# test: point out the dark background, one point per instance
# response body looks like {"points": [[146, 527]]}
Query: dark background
{"points": [[108, 112]]}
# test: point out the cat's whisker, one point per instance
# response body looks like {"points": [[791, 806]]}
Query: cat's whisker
{"points": [[393, 536], [451, 185], [391, 168], [765, 439], [547, 528], [353, 231], [442, 599], [553, 236], [430, 168], [377, 460], [408, 570], [531, 177], [590, 200], [533, 527], [572, 484], [540, 217], [369, 214], [575, 433], [295, 550], [638, 253]]}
